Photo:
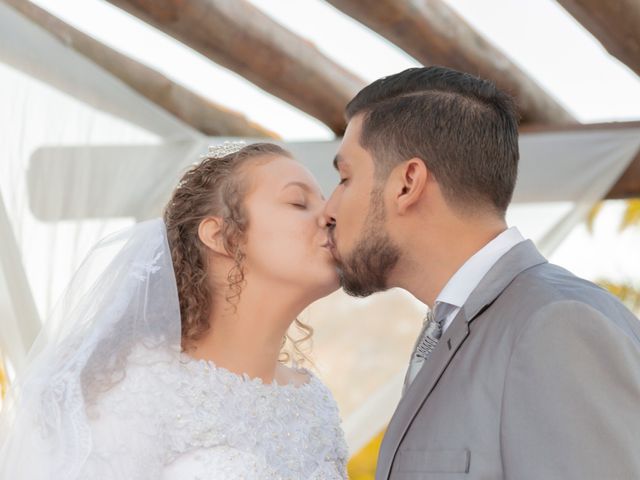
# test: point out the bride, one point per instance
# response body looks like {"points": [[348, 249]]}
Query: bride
{"points": [[168, 363]]}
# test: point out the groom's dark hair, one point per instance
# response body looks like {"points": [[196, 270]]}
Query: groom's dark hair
{"points": [[462, 127]]}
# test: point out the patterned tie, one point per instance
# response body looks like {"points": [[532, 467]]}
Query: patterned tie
{"points": [[427, 341]]}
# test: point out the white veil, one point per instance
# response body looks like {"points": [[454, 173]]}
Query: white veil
{"points": [[124, 294]]}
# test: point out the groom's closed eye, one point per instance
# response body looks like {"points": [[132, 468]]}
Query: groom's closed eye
{"points": [[339, 165]]}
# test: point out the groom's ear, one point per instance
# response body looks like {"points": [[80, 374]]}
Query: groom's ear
{"points": [[411, 182], [210, 233]]}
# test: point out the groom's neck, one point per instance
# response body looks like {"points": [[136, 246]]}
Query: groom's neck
{"points": [[429, 261]]}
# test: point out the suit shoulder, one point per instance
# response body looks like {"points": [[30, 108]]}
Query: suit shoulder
{"points": [[548, 283], [548, 287], [554, 283]]}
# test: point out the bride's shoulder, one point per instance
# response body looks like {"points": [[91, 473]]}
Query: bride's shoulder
{"points": [[310, 384], [303, 379], [295, 375], [145, 374]]}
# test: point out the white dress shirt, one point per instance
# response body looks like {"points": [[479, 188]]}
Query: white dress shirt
{"points": [[466, 279]]}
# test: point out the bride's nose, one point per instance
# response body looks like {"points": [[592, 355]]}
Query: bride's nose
{"points": [[324, 220]]}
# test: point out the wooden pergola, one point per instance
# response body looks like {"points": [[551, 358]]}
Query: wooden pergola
{"points": [[238, 36]]}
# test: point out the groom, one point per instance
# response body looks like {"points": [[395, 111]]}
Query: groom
{"points": [[522, 371]]}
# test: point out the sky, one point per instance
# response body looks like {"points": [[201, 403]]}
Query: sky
{"points": [[540, 37]]}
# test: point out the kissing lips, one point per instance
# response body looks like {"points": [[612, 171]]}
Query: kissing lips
{"points": [[331, 245]]}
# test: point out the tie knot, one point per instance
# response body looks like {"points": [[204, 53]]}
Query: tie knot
{"points": [[441, 311]]}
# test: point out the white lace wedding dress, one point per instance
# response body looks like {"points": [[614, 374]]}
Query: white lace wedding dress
{"points": [[107, 394], [191, 420]]}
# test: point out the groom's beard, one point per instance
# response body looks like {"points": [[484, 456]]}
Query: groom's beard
{"points": [[365, 270]]}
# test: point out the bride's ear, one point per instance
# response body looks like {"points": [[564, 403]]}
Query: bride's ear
{"points": [[210, 233], [411, 182]]}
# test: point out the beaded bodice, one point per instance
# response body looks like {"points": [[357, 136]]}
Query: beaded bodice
{"points": [[206, 422]]}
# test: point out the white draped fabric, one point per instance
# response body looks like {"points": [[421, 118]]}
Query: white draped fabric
{"points": [[83, 155]]}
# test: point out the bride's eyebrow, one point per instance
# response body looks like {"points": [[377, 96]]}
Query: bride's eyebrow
{"points": [[304, 186]]}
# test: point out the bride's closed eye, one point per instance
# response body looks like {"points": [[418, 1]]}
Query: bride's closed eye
{"points": [[296, 198], [302, 196]]}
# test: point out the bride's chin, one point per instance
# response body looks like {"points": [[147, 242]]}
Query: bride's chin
{"points": [[333, 285], [330, 284]]}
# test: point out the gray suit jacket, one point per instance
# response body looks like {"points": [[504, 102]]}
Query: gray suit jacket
{"points": [[537, 378]]}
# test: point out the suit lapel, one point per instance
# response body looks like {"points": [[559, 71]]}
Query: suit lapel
{"points": [[515, 261], [419, 390]]}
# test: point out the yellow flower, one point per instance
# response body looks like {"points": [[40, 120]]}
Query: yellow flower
{"points": [[362, 465]]}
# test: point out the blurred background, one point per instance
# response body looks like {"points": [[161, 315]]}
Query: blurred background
{"points": [[103, 104]]}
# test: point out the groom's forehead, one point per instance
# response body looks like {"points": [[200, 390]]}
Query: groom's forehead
{"points": [[350, 149]]}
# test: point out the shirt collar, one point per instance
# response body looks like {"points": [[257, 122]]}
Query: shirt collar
{"points": [[466, 279]]}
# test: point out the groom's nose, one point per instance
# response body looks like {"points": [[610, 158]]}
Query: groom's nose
{"points": [[328, 214], [326, 220]]}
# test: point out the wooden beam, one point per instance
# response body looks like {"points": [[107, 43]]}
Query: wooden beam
{"points": [[28, 48], [615, 23], [240, 37], [578, 127], [433, 33], [193, 109], [628, 185]]}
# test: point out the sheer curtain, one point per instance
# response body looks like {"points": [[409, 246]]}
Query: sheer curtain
{"points": [[51, 97]]}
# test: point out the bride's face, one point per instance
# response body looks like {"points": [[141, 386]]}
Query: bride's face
{"points": [[286, 240]]}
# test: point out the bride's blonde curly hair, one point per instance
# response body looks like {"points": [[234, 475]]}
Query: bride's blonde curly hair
{"points": [[215, 187]]}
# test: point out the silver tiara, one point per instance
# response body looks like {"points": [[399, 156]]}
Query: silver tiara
{"points": [[223, 149]]}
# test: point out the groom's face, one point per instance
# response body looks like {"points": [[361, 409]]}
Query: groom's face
{"points": [[363, 249]]}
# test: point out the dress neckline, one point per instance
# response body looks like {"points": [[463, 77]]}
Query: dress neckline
{"points": [[244, 379]]}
